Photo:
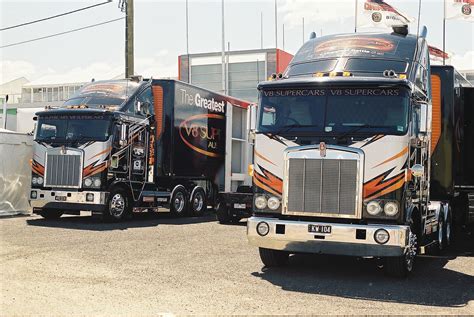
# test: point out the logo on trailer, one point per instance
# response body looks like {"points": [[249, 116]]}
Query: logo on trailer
{"points": [[322, 149], [376, 17], [466, 9], [204, 134]]}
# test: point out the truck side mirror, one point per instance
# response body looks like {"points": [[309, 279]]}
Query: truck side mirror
{"points": [[252, 122], [423, 124], [123, 134]]}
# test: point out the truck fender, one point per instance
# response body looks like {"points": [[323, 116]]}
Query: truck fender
{"points": [[192, 193], [176, 187], [122, 185]]}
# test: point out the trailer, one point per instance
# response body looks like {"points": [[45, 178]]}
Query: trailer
{"points": [[124, 146], [360, 150]]}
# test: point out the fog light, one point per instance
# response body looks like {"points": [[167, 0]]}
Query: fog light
{"points": [[381, 236], [90, 197], [273, 203], [33, 194], [260, 202], [263, 228]]}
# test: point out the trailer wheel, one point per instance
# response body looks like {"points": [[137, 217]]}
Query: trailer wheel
{"points": [[198, 202], [273, 258], [222, 213], [401, 266], [51, 214], [179, 203], [118, 207]]}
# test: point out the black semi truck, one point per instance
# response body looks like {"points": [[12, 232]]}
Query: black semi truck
{"points": [[125, 146]]}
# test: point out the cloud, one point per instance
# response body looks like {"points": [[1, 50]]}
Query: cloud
{"points": [[11, 70], [463, 62], [320, 11], [161, 64]]}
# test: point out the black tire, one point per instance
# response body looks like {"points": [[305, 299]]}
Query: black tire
{"points": [[223, 214], [51, 214], [198, 203], [447, 232], [273, 258], [402, 266], [119, 206], [179, 202]]}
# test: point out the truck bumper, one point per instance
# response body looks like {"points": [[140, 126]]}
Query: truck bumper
{"points": [[344, 239], [67, 200]]}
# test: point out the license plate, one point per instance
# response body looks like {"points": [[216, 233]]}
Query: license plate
{"points": [[319, 229], [240, 206], [60, 198]]}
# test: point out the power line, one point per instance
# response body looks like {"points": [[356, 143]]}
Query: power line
{"points": [[54, 16], [62, 33]]}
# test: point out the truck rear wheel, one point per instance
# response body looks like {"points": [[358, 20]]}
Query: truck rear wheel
{"points": [[273, 258], [401, 266], [179, 202], [119, 206], [198, 202], [51, 214]]}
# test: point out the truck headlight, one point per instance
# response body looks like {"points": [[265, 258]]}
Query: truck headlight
{"points": [[88, 182], [40, 180], [97, 182], [34, 180], [390, 208], [273, 203], [374, 208], [260, 202]]}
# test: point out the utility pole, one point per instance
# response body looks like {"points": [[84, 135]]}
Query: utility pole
{"points": [[4, 114], [224, 88], [276, 24], [129, 57]]}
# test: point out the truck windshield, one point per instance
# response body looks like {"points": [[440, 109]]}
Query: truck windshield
{"points": [[72, 128], [338, 110], [107, 94]]}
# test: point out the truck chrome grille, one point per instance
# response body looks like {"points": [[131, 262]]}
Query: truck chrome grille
{"points": [[322, 186], [63, 170]]}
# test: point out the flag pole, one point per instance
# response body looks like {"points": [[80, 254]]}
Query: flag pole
{"points": [[444, 32], [355, 19]]}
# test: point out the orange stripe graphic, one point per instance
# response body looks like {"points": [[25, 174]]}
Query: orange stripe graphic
{"points": [[263, 157], [37, 168], [269, 180], [263, 186], [390, 189], [92, 170], [377, 184], [103, 152], [403, 152]]}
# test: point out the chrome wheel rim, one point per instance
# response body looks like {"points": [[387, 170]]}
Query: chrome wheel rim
{"points": [[440, 234], [411, 251], [178, 202], [198, 201], [448, 232], [117, 205]]}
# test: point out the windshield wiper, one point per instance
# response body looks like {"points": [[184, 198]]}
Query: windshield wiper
{"points": [[357, 128], [287, 128]]}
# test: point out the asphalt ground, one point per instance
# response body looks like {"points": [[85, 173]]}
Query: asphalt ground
{"points": [[155, 264]]}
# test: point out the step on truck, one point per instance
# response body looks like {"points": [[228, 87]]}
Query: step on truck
{"points": [[124, 146], [360, 149]]}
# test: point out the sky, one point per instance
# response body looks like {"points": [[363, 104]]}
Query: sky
{"points": [[160, 34]]}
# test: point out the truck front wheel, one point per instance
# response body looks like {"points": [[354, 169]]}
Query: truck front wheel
{"points": [[222, 213], [51, 214], [401, 266], [119, 206], [273, 258]]}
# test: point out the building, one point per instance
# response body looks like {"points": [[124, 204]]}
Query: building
{"points": [[245, 69], [469, 75]]}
